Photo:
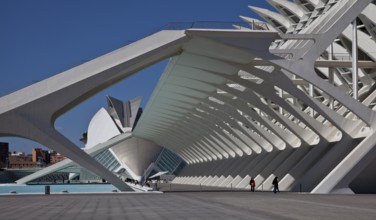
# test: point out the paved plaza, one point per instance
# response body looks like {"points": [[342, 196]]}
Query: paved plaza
{"points": [[188, 205]]}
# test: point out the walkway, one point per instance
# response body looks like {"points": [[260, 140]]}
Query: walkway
{"points": [[188, 205]]}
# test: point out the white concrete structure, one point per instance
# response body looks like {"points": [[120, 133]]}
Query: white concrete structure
{"points": [[260, 106], [112, 130], [240, 103], [30, 112], [134, 154]]}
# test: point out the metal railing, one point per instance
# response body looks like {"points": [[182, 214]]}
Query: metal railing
{"points": [[216, 25], [347, 56]]}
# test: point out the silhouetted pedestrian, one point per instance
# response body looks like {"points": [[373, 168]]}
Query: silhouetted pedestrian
{"points": [[275, 184], [253, 184]]}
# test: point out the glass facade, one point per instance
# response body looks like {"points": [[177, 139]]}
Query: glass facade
{"points": [[169, 161], [108, 160]]}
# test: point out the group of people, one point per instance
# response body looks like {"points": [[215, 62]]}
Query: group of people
{"points": [[275, 184]]}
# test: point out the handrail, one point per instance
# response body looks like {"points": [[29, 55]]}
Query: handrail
{"points": [[216, 25]]}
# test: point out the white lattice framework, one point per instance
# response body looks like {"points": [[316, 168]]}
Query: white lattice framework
{"points": [[281, 109]]}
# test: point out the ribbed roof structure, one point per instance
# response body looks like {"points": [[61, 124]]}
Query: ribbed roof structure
{"points": [[284, 100]]}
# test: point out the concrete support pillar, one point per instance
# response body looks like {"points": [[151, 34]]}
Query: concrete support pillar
{"points": [[207, 180], [197, 180], [312, 112], [331, 75], [190, 180], [219, 181], [271, 167], [235, 181], [355, 60], [176, 180], [280, 91], [211, 181], [226, 181], [244, 182], [263, 163], [247, 169], [290, 163], [202, 180]]}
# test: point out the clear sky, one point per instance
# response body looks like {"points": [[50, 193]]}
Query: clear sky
{"points": [[41, 38]]}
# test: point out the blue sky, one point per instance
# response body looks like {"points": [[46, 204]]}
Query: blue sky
{"points": [[41, 38]]}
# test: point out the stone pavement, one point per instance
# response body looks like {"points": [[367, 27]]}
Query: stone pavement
{"points": [[188, 205]]}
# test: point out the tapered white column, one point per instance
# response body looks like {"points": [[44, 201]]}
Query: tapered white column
{"points": [[331, 75], [355, 60]]}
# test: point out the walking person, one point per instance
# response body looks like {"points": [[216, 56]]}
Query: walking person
{"points": [[275, 184], [253, 184]]}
